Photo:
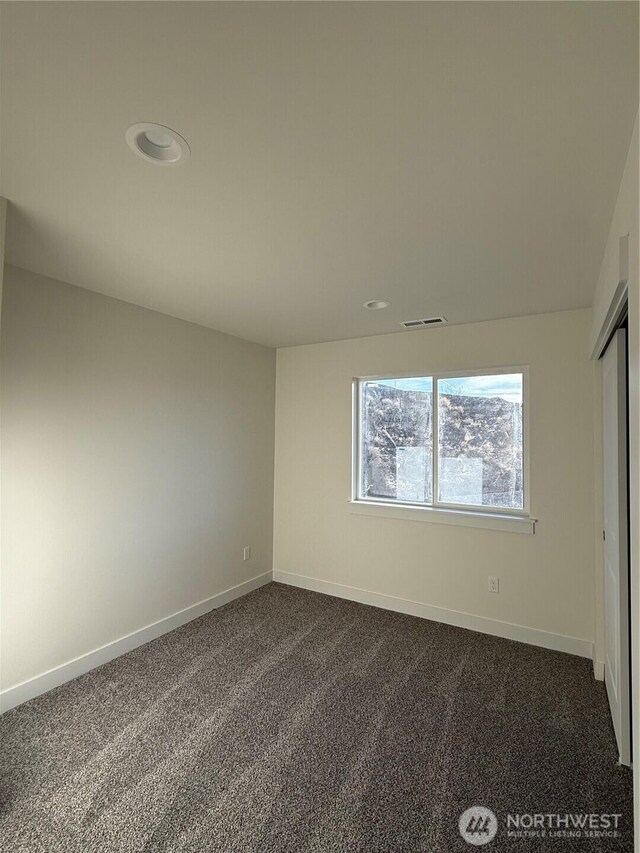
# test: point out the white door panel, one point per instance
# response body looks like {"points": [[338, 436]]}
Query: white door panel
{"points": [[616, 571]]}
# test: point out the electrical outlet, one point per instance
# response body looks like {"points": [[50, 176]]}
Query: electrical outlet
{"points": [[494, 583], [247, 553]]}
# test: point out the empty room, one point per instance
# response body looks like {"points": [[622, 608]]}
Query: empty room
{"points": [[319, 427]]}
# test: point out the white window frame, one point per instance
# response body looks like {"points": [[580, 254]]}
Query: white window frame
{"points": [[501, 518]]}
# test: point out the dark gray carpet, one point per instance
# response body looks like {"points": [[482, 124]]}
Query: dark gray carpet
{"points": [[291, 721]]}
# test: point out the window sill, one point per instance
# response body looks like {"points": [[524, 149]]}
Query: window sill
{"points": [[439, 515]]}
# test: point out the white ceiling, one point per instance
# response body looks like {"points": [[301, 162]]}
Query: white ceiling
{"points": [[454, 158]]}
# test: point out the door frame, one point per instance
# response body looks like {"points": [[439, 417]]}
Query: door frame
{"points": [[617, 316]]}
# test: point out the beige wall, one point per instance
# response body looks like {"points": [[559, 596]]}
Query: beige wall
{"points": [[137, 461], [626, 221], [547, 580], [3, 219]]}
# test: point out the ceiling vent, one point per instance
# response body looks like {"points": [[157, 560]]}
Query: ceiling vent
{"points": [[430, 321]]}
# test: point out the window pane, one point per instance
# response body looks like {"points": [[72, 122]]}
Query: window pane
{"points": [[397, 439], [480, 441]]}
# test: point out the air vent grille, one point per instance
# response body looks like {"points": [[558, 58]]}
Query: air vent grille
{"points": [[429, 321]]}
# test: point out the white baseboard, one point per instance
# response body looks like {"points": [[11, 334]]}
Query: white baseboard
{"points": [[598, 670], [13, 696], [531, 636]]}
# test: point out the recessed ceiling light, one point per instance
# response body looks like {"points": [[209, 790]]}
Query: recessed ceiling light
{"points": [[157, 144], [376, 304]]}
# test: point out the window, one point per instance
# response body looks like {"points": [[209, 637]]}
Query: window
{"points": [[443, 441]]}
